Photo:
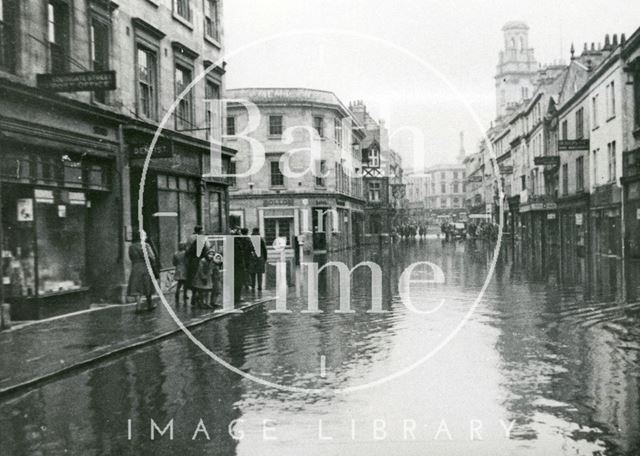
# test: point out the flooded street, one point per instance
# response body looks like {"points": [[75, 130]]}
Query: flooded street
{"points": [[546, 364]]}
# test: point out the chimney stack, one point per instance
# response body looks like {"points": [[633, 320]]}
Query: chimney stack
{"points": [[615, 40], [623, 39], [593, 47], [607, 42]]}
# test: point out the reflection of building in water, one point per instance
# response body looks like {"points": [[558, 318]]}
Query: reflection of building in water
{"points": [[313, 201]]}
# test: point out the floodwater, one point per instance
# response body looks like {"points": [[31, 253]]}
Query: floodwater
{"points": [[546, 364]]}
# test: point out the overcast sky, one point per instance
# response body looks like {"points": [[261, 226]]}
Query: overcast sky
{"points": [[422, 64]]}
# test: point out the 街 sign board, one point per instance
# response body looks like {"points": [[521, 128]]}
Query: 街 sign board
{"points": [[88, 81]]}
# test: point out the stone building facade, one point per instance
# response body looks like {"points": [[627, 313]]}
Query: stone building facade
{"points": [[72, 158], [318, 203]]}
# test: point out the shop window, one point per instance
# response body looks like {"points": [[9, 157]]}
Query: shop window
{"points": [[99, 42], [211, 28], [58, 36], [275, 125], [147, 82], [277, 179], [8, 9], [318, 125], [184, 111], [60, 237]]}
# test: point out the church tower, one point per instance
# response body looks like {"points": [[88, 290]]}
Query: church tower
{"points": [[517, 68]]}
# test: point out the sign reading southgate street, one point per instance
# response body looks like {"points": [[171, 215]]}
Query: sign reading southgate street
{"points": [[88, 81]]}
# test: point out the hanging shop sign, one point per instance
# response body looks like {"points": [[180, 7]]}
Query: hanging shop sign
{"points": [[25, 210], [547, 160], [87, 81], [573, 144]]}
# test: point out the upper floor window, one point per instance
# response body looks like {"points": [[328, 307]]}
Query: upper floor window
{"points": [[183, 9], [8, 9], [184, 111], [636, 93], [275, 125], [594, 111], [276, 177], [565, 179], [443, 188], [318, 125], [442, 175], [374, 191], [99, 42], [231, 125], [321, 171], [58, 36], [374, 158], [579, 173], [611, 152], [211, 96], [565, 130], [580, 123], [611, 100], [147, 82], [337, 131], [211, 19]]}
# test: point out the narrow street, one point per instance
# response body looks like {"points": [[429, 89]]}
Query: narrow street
{"points": [[550, 362]]}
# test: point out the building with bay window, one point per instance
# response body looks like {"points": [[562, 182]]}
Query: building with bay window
{"points": [[308, 189], [83, 89]]}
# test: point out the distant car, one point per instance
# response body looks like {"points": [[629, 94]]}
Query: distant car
{"points": [[459, 230]]}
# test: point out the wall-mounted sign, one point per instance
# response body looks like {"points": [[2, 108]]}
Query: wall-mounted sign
{"points": [[87, 81], [77, 198], [277, 202], [573, 144], [25, 210], [551, 216], [504, 169], [162, 149], [43, 196], [547, 160], [474, 179]]}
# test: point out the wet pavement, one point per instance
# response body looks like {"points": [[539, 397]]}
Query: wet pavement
{"points": [[546, 364]]}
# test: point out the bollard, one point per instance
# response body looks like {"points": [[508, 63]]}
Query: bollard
{"points": [[5, 316]]}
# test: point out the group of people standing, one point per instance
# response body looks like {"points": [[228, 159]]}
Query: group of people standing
{"points": [[411, 230], [198, 268]]}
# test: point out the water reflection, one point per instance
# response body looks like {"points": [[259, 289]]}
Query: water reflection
{"points": [[552, 348]]}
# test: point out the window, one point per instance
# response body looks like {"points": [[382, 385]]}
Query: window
{"points": [[443, 188], [456, 202], [579, 174], [183, 9], [318, 124], [8, 10], [455, 187], [374, 158], [611, 100], [442, 176], [58, 36], [636, 93], [275, 125], [321, 171], [211, 19], [565, 179], [565, 130], [277, 179], [232, 170], [211, 92], [443, 203], [374, 191], [337, 131], [99, 42], [523, 182], [594, 111], [147, 82], [594, 165], [611, 154], [231, 125], [184, 111], [580, 123]]}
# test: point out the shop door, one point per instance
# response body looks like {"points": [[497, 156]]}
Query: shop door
{"points": [[320, 229], [278, 227]]}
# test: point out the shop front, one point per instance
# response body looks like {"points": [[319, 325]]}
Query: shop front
{"points": [[176, 196], [52, 202], [573, 215]]}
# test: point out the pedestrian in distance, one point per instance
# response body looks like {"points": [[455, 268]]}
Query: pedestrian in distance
{"points": [[140, 282], [216, 275], [259, 265], [203, 280], [180, 273], [193, 257]]}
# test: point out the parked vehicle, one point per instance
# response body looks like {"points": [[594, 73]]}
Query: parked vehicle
{"points": [[459, 230]]}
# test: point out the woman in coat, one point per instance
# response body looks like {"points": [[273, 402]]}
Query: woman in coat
{"points": [[140, 283]]}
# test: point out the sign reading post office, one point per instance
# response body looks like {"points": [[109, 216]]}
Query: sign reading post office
{"points": [[88, 81]]}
